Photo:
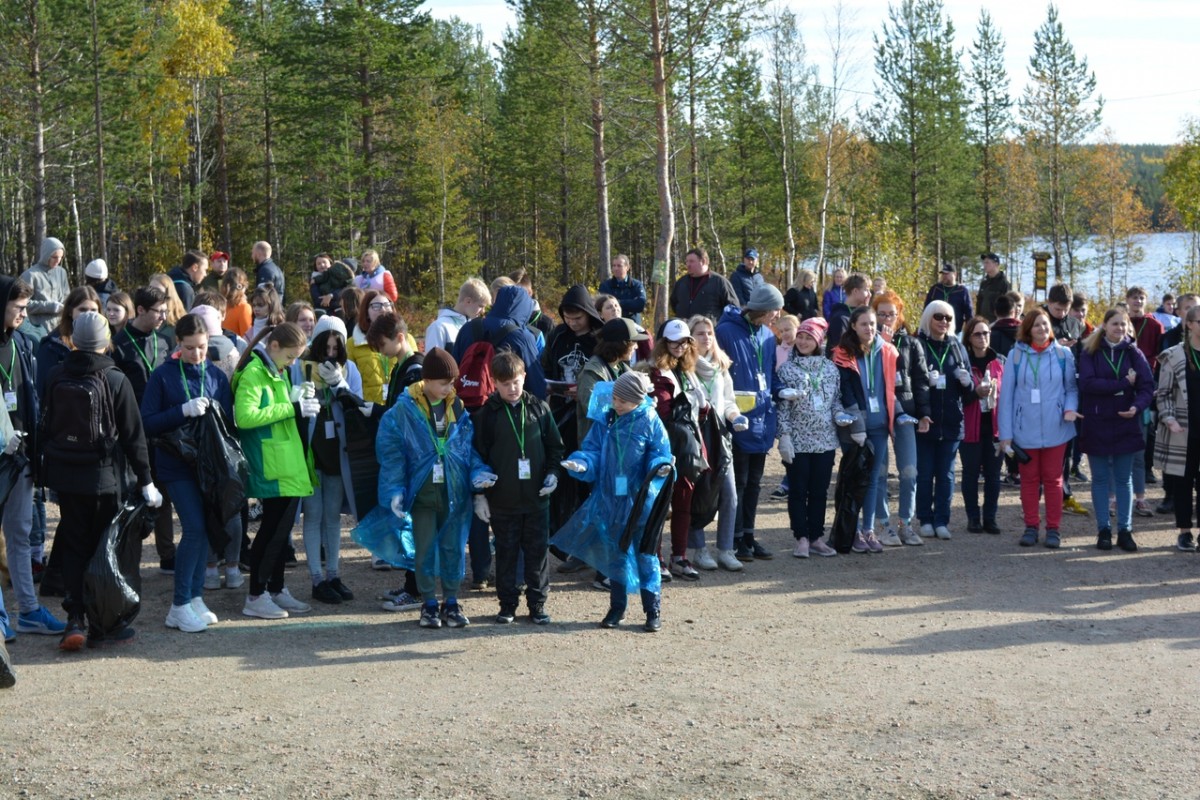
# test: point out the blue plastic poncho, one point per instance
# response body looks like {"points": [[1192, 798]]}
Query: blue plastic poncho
{"points": [[406, 455], [632, 447]]}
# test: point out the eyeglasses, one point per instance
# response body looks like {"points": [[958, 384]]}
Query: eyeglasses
{"points": [[885, 314], [379, 306], [981, 334], [943, 317]]}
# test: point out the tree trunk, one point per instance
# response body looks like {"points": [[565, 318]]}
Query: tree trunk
{"points": [[39, 125], [101, 201], [564, 212], [693, 148], [599, 156], [367, 131], [666, 212], [223, 173], [268, 139], [198, 175]]}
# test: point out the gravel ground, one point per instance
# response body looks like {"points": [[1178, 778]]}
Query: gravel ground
{"points": [[963, 669]]}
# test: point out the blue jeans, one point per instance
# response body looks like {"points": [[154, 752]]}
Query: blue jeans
{"points": [[904, 445], [977, 458], [1138, 465], [808, 493], [323, 526], [935, 479], [16, 517], [1114, 475], [878, 440], [191, 554]]}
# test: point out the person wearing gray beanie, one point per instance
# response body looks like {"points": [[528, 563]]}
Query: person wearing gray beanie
{"points": [[90, 333], [765, 297], [632, 387]]}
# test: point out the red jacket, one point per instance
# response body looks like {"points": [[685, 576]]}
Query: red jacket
{"points": [[1149, 333]]}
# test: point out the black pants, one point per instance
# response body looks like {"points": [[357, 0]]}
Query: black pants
{"points": [[520, 534], [980, 459], [747, 480], [808, 493], [267, 553], [1187, 486], [83, 518]]}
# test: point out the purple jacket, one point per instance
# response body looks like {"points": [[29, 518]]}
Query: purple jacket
{"points": [[1103, 392]]}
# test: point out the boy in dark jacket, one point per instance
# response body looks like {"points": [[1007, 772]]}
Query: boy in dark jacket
{"points": [[89, 491], [516, 434]]}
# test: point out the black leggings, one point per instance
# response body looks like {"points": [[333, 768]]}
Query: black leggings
{"points": [[270, 543], [1185, 486]]}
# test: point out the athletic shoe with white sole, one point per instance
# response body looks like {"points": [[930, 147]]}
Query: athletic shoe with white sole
{"points": [[729, 562], [263, 607], [703, 559], [184, 618], [890, 538], [290, 604], [203, 612]]}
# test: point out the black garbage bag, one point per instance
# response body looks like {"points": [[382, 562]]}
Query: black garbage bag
{"points": [[706, 495], [651, 534], [854, 475], [360, 453], [112, 583]]}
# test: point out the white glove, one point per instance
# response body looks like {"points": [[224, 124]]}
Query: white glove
{"points": [[484, 480], [309, 407], [308, 389], [859, 439], [574, 466], [788, 394], [296, 394], [398, 507], [331, 373], [14, 442], [843, 419], [548, 485], [740, 423], [482, 509], [663, 471], [786, 450], [152, 495], [905, 419], [366, 409], [196, 407], [963, 376]]}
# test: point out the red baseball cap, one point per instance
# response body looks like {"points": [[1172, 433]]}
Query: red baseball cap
{"points": [[219, 254]]}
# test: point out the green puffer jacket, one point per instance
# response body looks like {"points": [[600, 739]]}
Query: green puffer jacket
{"points": [[277, 463]]}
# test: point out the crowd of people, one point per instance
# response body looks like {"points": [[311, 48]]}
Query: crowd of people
{"points": [[504, 436]]}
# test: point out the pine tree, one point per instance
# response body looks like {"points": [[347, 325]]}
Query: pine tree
{"points": [[991, 116]]}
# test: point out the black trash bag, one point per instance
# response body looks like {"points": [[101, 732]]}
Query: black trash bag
{"points": [[706, 494], [854, 476], [360, 453], [683, 432], [651, 534], [112, 583]]}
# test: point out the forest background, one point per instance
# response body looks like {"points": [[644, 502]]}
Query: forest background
{"points": [[133, 130]]}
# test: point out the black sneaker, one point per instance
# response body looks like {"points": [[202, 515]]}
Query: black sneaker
{"points": [[342, 589], [779, 494], [73, 637], [453, 616], [653, 623], [973, 526], [612, 619], [324, 593], [761, 553], [991, 527], [167, 566], [506, 616], [538, 616], [1104, 539], [1186, 543], [429, 616], [1167, 506], [743, 551], [1078, 474], [1125, 541]]}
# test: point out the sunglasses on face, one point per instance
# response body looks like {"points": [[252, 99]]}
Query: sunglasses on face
{"points": [[981, 334], [943, 317]]}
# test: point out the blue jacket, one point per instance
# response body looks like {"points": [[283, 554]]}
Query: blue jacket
{"points": [[511, 306], [744, 282], [1038, 425], [833, 295], [631, 294], [162, 407], [750, 357], [959, 299]]}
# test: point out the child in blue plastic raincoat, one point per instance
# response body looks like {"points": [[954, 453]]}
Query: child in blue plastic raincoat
{"points": [[627, 447], [428, 470]]}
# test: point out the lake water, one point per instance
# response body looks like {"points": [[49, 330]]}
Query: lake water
{"points": [[1163, 267]]}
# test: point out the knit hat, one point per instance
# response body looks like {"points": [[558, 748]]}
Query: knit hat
{"points": [[90, 332], [765, 298], [329, 323], [817, 328], [439, 366], [210, 317], [632, 387], [96, 269]]}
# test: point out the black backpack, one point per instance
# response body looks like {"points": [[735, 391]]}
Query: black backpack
{"points": [[78, 422]]}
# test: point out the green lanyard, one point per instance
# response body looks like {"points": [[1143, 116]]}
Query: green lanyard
{"points": [[148, 362], [12, 365], [933, 353], [1034, 364], [384, 372], [520, 436], [1116, 368], [758, 349], [439, 442], [203, 370]]}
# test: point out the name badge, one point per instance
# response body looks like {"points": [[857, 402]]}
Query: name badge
{"points": [[940, 383], [899, 378], [523, 471], [385, 388], [762, 382], [10, 401], [873, 405], [439, 473], [818, 401], [330, 429], [622, 488], [1035, 396]]}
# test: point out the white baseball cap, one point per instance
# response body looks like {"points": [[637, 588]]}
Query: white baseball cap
{"points": [[676, 330]]}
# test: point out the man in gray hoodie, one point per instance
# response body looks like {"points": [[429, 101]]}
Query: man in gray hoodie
{"points": [[50, 288]]}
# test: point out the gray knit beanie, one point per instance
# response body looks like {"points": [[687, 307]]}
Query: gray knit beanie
{"points": [[632, 387], [90, 332]]}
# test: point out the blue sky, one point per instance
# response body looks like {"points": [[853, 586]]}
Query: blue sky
{"points": [[1138, 49]]}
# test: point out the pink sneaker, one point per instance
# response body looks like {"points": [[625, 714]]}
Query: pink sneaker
{"points": [[860, 543], [818, 547], [873, 543]]}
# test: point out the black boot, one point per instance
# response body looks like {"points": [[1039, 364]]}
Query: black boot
{"points": [[612, 619], [652, 605], [1104, 539], [1125, 541]]}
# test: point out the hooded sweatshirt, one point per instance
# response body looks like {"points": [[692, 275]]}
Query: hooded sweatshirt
{"points": [[50, 289], [566, 351], [511, 309]]}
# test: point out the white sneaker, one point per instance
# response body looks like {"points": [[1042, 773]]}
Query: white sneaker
{"points": [[942, 532], [703, 559], [184, 618], [234, 578], [203, 611], [909, 536], [728, 561], [890, 538], [212, 580], [290, 604], [263, 608], [801, 549], [927, 531]]}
